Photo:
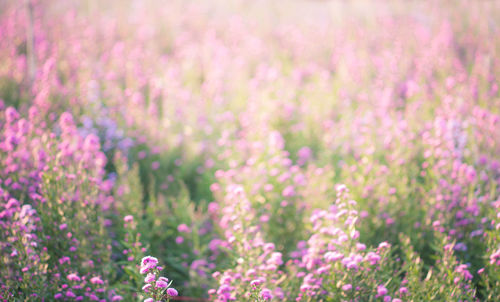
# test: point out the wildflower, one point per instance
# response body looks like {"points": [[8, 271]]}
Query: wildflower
{"points": [[96, 280], [384, 245], [288, 191], [70, 294], [73, 277], [128, 218], [255, 283], [333, 256], [183, 228], [144, 269], [266, 294], [150, 278], [360, 246], [381, 290], [347, 287], [149, 260], [11, 114], [172, 292], [161, 284], [163, 279]]}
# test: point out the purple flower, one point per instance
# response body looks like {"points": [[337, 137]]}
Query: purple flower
{"points": [[96, 280], [149, 260], [255, 283], [161, 284], [333, 256], [183, 228], [172, 292], [73, 277], [266, 294], [163, 279], [288, 191], [150, 278], [381, 290], [70, 294], [148, 263], [11, 114], [347, 287], [144, 269]]}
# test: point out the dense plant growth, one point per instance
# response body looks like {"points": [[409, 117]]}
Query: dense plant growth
{"points": [[246, 151]]}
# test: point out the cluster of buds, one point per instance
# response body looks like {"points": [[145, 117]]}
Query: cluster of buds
{"points": [[157, 288]]}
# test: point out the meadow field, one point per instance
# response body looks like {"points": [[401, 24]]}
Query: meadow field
{"points": [[230, 150]]}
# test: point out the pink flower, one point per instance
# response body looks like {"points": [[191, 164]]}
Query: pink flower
{"points": [[172, 292], [384, 245], [150, 278], [266, 294], [333, 256], [288, 191], [163, 279], [381, 290], [128, 218], [183, 228], [11, 114], [155, 165], [70, 294], [73, 277], [347, 287], [149, 260], [161, 284], [144, 269], [148, 263], [96, 280], [255, 283], [360, 246]]}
